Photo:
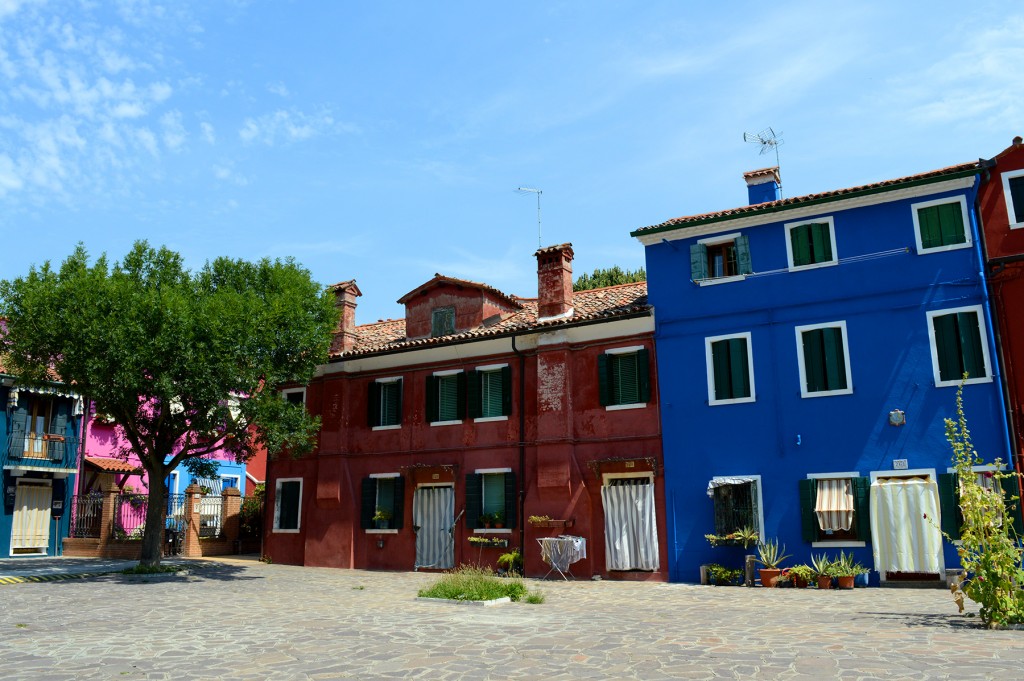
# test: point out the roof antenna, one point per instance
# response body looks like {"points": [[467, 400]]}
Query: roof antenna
{"points": [[538, 192], [768, 139]]}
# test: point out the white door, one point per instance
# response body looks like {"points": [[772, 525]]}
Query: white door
{"points": [[905, 521], [31, 530], [433, 511]]}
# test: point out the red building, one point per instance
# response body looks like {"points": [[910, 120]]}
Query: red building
{"points": [[1001, 207], [475, 413]]}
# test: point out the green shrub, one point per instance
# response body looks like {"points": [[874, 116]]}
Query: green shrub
{"points": [[471, 583], [535, 597]]}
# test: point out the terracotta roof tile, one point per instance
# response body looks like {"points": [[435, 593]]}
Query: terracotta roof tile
{"points": [[440, 279], [111, 465]]}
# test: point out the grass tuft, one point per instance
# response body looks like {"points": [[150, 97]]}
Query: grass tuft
{"points": [[535, 598], [152, 569], [471, 583]]}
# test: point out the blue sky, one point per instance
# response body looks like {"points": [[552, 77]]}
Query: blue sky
{"points": [[383, 141]]}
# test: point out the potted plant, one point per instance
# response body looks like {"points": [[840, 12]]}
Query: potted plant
{"points": [[382, 517], [822, 567], [801, 575], [485, 521], [498, 518], [512, 562], [742, 537], [770, 556], [719, 575], [845, 569]]}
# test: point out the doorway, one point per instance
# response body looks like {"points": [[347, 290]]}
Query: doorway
{"points": [[433, 514], [905, 527], [30, 534]]}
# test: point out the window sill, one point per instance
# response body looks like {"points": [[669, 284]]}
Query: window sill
{"points": [[813, 266], [620, 407], [445, 423], [490, 419], [721, 280], [831, 393], [738, 400], [971, 381], [277, 531], [498, 530], [376, 531], [1017, 225], [943, 249], [838, 544], [395, 427]]}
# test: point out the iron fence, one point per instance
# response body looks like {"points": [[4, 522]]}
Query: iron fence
{"points": [[86, 512], [129, 516], [209, 516]]}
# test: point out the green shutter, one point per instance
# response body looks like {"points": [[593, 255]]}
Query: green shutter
{"points": [[643, 375], [947, 346], [739, 368], [506, 391], [604, 392], [800, 242], [931, 231], [368, 504], [625, 379], [475, 381], [58, 426], [743, 254], [698, 262], [835, 358], [474, 499], [951, 223], [398, 402], [949, 504], [373, 404], [460, 395], [19, 426], [1017, 199], [822, 242], [862, 507], [720, 369], [808, 520], [814, 361], [432, 401], [970, 344], [510, 499], [398, 521]]}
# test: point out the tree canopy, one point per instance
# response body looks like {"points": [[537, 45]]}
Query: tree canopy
{"points": [[185, 363], [609, 276]]}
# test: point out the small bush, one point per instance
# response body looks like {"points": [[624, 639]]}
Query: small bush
{"points": [[535, 598], [470, 583]]}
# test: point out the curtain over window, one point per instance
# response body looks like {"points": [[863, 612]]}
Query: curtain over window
{"points": [[834, 506]]}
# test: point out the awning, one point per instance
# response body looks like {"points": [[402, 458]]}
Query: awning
{"points": [[722, 482], [834, 505], [77, 410], [106, 465]]}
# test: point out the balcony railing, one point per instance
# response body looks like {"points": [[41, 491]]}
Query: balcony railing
{"points": [[48, 451]]}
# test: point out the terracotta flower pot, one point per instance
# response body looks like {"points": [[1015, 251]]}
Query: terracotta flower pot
{"points": [[768, 576], [799, 583], [845, 582], [824, 582]]}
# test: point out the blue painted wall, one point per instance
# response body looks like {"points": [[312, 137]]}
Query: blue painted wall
{"points": [[883, 300]]}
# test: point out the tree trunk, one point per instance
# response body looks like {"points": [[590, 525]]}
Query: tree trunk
{"points": [[156, 517]]}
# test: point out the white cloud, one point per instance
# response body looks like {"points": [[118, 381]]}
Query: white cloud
{"points": [[145, 138], [278, 88], [113, 61], [289, 126], [9, 7], [173, 131], [9, 179], [127, 110], [227, 174], [208, 132]]}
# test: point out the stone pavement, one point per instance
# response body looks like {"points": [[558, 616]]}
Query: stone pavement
{"points": [[233, 619]]}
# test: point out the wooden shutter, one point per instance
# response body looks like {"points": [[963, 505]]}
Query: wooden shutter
{"points": [[604, 380], [432, 402], [720, 369], [835, 358], [510, 499], [973, 356], [951, 223], [460, 395], [398, 401], [368, 505], [643, 375], [814, 361], [862, 507], [743, 254], [373, 404], [928, 223], [506, 391], [739, 371], [698, 262], [947, 346], [808, 520], [19, 426], [398, 518], [59, 426], [949, 504], [475, 394], [822, 242], [474, 499], [799, 238]]}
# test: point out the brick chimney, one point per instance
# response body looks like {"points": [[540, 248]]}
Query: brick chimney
{"points": [[554, 281], [763, 185], [345, 294]]}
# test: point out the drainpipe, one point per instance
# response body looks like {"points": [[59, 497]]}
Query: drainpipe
{"points": [[522, 448]]}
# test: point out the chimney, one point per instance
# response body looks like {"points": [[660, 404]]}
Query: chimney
{"points": [[554, 281], [345, 294], [763, 185]]}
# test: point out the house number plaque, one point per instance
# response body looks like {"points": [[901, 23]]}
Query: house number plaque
{"points": [[899, 464]]}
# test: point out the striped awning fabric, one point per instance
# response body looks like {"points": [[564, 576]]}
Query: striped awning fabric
{"points": [[834, 506]]}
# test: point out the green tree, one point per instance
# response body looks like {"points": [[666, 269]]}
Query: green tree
{"points": [[185, 363], [609, 276]]}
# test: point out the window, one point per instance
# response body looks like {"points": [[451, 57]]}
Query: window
{"points": [[824, 359], [737, 502], [959, 345], [941, 225], [383, 502], [720, 257], [949, 498], [1013, 190], [490, 392], [491, 496], [811, 243], [834, 509], [624, 378], [288, 505], [230, 481], [442, 322], [294, 395], [384, 405], [729, 361], [446, 397]]}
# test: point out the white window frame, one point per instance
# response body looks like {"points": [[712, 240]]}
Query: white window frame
{"points": [[803, 370], [915, 207], [488, 368], [376, 491], [709, 360], [760, 498], [231, 476], [443, 374], [277, 506], [1006, 177], [839, 543], [790, 226], [389, 379], [933, 346], [624, 351], [714, 241], [491, 471], [173, 487], [292, 391]]}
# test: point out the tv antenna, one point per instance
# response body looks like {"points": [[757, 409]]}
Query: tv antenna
{"points": [[538, 192], [769, 140]]}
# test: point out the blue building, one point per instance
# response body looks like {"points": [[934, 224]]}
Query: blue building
{"points": [[808, 351], [39, 445]]}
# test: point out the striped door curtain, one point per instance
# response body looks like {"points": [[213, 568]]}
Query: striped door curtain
{"points": [[31, 528], [834, 505], [905, 525], [433, 511], [630, 527]]}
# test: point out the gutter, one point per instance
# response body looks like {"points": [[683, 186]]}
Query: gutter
{"points": [[522, 448]]}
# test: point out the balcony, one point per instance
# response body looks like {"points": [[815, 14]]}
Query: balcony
{"points": [[41, 452]]}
